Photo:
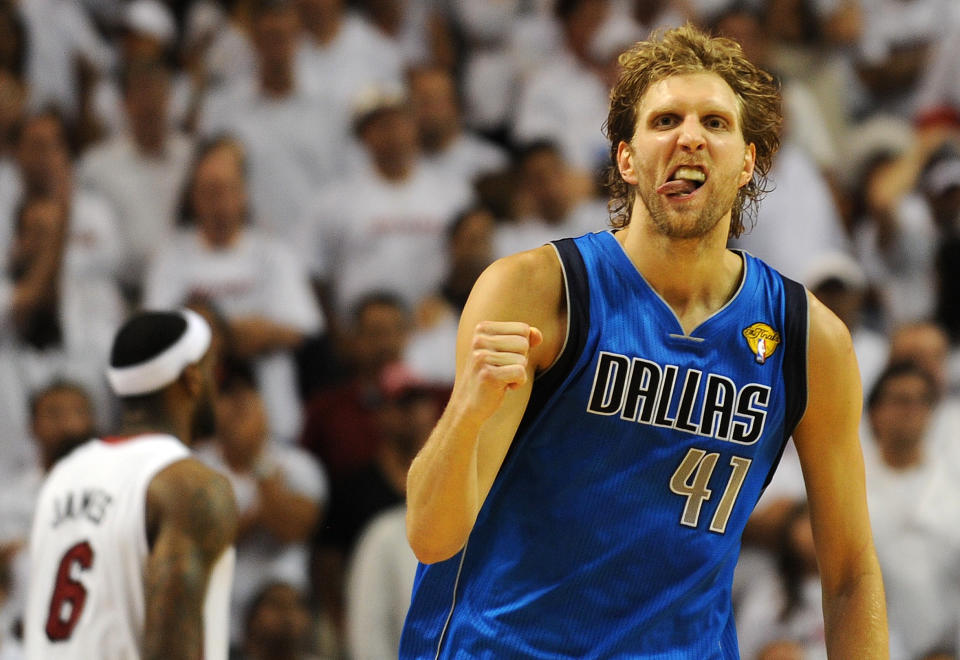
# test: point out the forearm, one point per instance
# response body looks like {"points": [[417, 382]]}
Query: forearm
{"points": [[255, 335], [175, 589], [855, 618], [443, 496], [287, 515], [39, 284]]}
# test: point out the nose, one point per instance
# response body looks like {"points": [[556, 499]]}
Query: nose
{"points": [[691, 134]]}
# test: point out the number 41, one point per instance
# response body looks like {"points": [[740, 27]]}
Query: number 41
{"points": [[691, 479]]}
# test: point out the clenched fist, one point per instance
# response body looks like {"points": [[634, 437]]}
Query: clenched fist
{"points": [[497, 362]]}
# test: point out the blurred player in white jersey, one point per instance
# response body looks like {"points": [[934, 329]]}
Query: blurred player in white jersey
{"points": [[131, 550]]}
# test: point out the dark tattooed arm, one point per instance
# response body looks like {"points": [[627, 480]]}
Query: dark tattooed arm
{"points": [[191, 520]]}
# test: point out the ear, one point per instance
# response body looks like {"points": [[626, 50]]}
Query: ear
{"points": [[625, 164], [192, 380], [749, 160]]}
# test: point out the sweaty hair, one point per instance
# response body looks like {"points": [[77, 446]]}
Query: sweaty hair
{"points": [[687, 50]]}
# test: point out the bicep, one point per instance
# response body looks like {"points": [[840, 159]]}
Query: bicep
{"points": [[196, 521], [828, 443], [530, 294]]}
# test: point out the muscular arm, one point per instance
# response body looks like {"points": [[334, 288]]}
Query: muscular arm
{"points": [[193, 520], [512, 326], [829, 447]]}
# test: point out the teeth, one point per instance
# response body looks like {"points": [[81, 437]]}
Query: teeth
{"points": [[690, 174]]}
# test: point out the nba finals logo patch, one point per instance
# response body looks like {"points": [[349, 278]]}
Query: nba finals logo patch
{"points": [[762, 340]]}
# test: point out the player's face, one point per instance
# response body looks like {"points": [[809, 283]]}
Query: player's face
{"points": [[687, 158]]}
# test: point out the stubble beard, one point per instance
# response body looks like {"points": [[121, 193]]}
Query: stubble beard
{"points": [[682, 224]]}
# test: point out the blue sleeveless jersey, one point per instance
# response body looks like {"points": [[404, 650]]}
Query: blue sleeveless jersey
{"points": [[614, 525]]}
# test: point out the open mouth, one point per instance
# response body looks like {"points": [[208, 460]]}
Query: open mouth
{"points": [[684, 181]]}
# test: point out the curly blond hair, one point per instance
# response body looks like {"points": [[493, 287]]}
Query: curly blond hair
{"points": [[687, 50]]}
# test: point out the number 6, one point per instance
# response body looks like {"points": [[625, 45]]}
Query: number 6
{"points": [[68, 591]]}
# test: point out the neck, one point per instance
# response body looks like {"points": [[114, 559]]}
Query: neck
{"points": [[220, 242], [153, 419], [696, 276]]}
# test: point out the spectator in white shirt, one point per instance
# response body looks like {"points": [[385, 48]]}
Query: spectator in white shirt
{"points": [[938, 93], [913, 497], [281, 492], [895, 48], [148, 32], [446, 143], [382, 565], [418, 29], [786, 606], [294, 137], [379, 583], [64, 300], [255, 280], [393, 240], [837, 280], [141, 170], [277, 625], [911, 207], [431, 351], [60, 35], [553, 201], [798, 220], [927, 344], [566, 100], [342, 53]]}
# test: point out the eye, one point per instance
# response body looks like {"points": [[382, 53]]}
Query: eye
{"points": [[715, 123], [665, 121]]}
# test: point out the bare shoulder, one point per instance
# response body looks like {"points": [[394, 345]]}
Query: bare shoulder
{"points": [[528, 287], [828, 334], [197, 501], [834, 395], [525, 277]]}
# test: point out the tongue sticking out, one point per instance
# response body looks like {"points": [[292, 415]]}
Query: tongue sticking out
{"points": [[677, 187]]}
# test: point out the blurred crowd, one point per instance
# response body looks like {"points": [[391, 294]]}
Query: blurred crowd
{"points": [[324, 180]]}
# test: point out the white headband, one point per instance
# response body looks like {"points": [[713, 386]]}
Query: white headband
{"points": [[163, 369]]}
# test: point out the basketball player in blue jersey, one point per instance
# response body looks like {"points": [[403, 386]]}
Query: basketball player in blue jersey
{"points": [[623, 398]]}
